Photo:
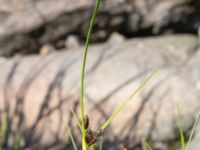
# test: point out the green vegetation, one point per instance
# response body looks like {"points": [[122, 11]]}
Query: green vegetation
{"points": [[16, 139], [70, 134], [85, 121], [185, 145], [193, 130], [89, 137], [83, 130], [181, 128], [3, 128]]}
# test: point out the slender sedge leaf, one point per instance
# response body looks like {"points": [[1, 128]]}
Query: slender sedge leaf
{"points": [[118, 110], [76, 119], [92, 147], [147, 146], [70, 134], [181, 128], [193, 130], [101, 143]]}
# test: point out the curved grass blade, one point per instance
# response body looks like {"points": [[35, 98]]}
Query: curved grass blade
{"points": [[182, 140], [118, 110], [70, 134], [16, 143], [147, 146], [124, 148], [84, 144], [92, 147], [101, 143], [193, 130], [76, 119], [3, 129]]}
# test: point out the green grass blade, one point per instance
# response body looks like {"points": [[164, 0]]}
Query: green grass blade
{"points": [[17, 140], [124, 148], [147, 146], [70, 134], [17, 145], [116, 112], [101, 143], [76, 119], [3, 129], [92, 147], [193, 130], [84, 145], [182, 140], [1, 146]]}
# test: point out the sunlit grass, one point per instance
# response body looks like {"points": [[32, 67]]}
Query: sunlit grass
{"points": [[182, 138], [83, 130], [70, 134], [119, 109], [193, 130], [185, 146]]}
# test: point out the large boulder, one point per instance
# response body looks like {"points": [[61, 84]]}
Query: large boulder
{"points": [[26, 25], [37, 91]]}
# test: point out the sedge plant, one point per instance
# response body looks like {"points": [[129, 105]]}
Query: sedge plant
{"points": [[90, 144], [84, 129], [83, 124]]}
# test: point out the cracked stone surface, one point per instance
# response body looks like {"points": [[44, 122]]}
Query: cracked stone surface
{"points": [[38, 90], [26, 25]]}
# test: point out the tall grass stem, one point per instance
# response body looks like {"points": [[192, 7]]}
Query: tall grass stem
{"points": [[84, 144]]}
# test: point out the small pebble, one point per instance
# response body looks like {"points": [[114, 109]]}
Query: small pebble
{"points": [[47, 49], [116, 38], [72, 42]]}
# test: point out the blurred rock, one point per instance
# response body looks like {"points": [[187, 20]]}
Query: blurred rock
{"points": [[72, 42], [26, 25], [47, 49], [116, 38], [40, 90], [160, 146], [181, 16], [2, 60]]}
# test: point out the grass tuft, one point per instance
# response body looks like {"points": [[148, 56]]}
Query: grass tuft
{"points": [[85, 130]]}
